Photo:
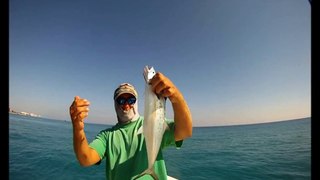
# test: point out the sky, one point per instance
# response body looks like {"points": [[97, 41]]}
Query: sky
{"points": [[235, 62]]}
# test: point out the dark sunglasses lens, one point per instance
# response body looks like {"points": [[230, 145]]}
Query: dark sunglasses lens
{"points": [[122, 101], [131, 100]]}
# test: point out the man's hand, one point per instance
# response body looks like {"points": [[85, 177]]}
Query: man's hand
{"points": [[163, 86], [78, 112]]}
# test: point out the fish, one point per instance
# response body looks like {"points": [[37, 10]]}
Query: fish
{"points": [[154, 125]]}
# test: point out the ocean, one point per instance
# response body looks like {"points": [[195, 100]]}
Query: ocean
{"points": [[42, 149]]}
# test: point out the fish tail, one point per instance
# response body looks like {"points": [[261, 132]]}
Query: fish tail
{"points": [[149, 171], [154, 175]]}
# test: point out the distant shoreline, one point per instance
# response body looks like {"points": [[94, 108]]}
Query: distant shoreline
{"points": [[51, 119], [24, 114], [217, 126]]}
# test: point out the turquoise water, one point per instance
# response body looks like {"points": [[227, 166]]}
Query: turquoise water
{"points": [[42, 149]]}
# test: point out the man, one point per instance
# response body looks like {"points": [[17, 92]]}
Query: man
{"points": [[124, 150]]}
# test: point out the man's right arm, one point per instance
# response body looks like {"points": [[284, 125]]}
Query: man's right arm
{"points": [[78, 112]]}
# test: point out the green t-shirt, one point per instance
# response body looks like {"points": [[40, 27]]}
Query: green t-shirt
{"points": [[125, 150]]}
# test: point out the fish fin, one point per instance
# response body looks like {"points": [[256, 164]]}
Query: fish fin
{"points": [[140, 130], [149, 171]]}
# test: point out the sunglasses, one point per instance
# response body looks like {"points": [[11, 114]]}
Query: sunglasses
{"points": [[121, 101]]}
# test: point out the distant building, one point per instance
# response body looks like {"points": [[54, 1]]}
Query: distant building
{"points": [[23, 113]]}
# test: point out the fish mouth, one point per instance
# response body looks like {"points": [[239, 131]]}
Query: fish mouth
{"points": [[148, 73], [145, 73]]}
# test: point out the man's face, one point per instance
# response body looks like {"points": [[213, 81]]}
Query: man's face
{"points": [[126, 101], [125, 107]]}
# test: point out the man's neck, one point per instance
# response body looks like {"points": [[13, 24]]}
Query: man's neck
{"points": [[136, 117]]}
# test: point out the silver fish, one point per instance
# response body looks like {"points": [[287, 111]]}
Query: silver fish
{"points": [[154, 124]]}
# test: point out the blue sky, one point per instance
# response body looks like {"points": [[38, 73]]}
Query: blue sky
{"points": [[236, 62]]}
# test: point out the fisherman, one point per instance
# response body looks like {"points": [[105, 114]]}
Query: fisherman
{"points": [[123, 149]]}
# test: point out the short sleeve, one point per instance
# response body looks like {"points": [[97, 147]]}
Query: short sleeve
{"points": [[99, 144], [168, 136]]}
